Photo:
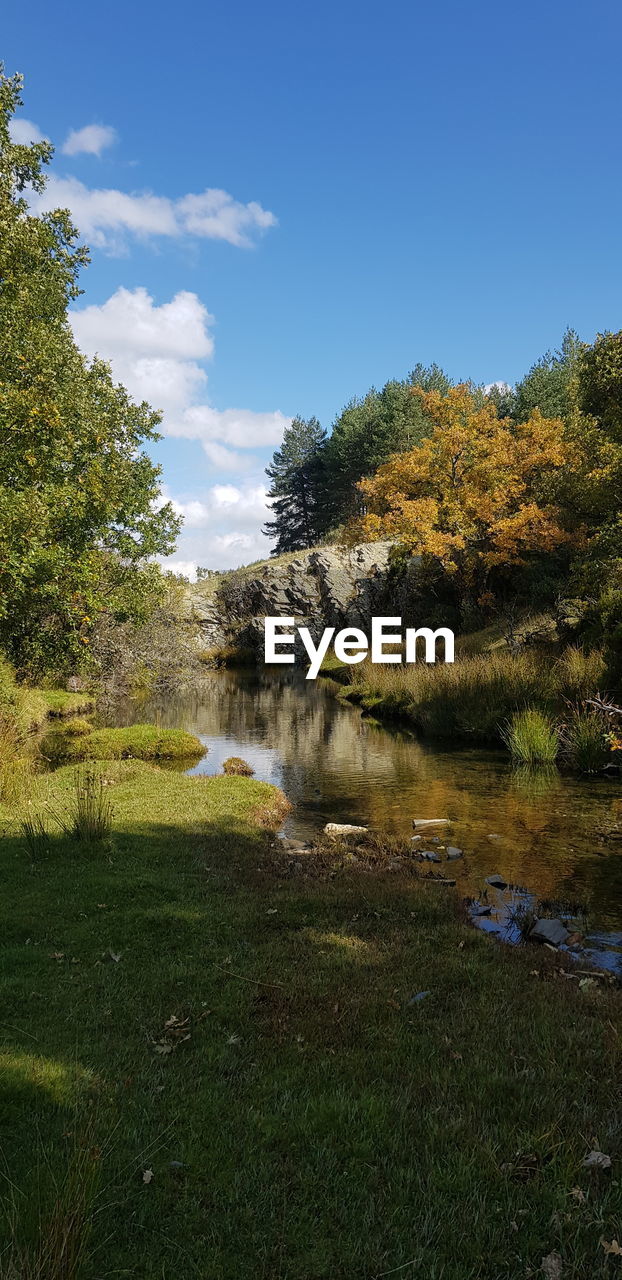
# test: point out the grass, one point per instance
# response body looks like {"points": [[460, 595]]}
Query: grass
{"points": [[265, 1099], [532, 737], [475, 696], [236, 767], [136, 742], [584, 744], [59, 702]]}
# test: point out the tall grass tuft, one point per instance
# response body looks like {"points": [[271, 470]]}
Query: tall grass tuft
{"points": [[36, 836], [59, 1247], [90, 816], [584, 745], [532, 737]]}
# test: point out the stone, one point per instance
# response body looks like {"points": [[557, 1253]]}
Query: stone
{"points": [[430, 855], [478, 910], [453, 852], [294, 846], [551, 931], [497, 882], [343, 830], [420, 823]]}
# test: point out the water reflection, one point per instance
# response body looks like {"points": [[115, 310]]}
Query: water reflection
{"points": [[536, 828]]}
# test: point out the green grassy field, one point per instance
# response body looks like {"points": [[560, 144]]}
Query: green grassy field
{"points": [[213, 1063]]}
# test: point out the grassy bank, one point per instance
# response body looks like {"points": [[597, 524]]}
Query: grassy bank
{"points": [[224, 1048], [78, 741], [476, 696]]}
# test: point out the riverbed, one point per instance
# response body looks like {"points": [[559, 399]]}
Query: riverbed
{"points": [[540, 830]]}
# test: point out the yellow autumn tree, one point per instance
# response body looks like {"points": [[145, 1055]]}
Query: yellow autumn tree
{"points": [[472, 494]]}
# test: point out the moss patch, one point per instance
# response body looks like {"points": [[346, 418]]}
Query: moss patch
{"points": [[137, 742]]}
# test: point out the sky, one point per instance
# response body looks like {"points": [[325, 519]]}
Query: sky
{"points": [[287, 204]]}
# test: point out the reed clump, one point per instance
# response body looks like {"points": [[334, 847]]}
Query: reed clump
{"points": [[532, 737]]}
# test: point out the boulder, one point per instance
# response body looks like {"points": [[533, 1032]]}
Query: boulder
{"points": [[551, 931], [453, 852], [429, 855]]}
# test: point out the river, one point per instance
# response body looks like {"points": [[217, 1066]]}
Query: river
{"points": [[538, 830]]}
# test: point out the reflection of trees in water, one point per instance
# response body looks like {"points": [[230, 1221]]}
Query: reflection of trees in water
{"points": [[335, 764]]}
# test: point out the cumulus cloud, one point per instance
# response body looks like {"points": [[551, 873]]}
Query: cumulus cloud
{"points": [[108, 218], [496, 386], [222, 529], [157, 350], [91, 140], [24, 132]]}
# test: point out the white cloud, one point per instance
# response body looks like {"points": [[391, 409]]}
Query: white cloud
{"points": [[24, 132], [107, 217], [500, 386], [91, 140], [156, 351]]}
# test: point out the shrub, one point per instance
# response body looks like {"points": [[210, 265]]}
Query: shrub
{"points": [[532, 737], [238, 767], [584, 744]]}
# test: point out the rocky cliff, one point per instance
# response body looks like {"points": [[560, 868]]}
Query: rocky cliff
{"points": [[327, 586]]}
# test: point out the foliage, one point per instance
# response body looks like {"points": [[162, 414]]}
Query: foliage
{"points": [[79, 502], [470, 496], [368, 431], [531, 737], [297, 478], [550, 385], [601, 382]]}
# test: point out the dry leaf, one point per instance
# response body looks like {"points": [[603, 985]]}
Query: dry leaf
{"points": [[148, 1175], [552, 1266], [578, 1195], [612, 1247]]}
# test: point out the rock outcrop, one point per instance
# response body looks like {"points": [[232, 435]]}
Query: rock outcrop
{"points": [[323, 587]]}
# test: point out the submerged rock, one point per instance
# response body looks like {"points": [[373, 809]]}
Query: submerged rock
{"points": [[420, 823], [497, 882], [343, 830], [551, 931]]}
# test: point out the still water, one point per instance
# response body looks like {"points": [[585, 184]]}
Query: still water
{"points": [[539, 831]]}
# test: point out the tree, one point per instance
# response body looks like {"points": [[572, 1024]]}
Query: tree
{"points": [[368, 431], [600, 382], [297, 474], [80, 507], [470, 497], [550, 386]]}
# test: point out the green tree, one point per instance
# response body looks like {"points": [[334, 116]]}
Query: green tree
{"points": [[368, 431], [600, 382], [550, 385], [297, 474], [80, 508]]}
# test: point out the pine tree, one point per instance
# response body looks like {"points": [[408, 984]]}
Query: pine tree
{"points": [[297, 475]]}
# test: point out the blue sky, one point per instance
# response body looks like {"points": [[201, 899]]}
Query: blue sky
{"points": [[393, 183]]}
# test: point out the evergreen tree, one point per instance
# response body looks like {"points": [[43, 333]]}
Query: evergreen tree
{"points": [[297, 474], [368, 431]]}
